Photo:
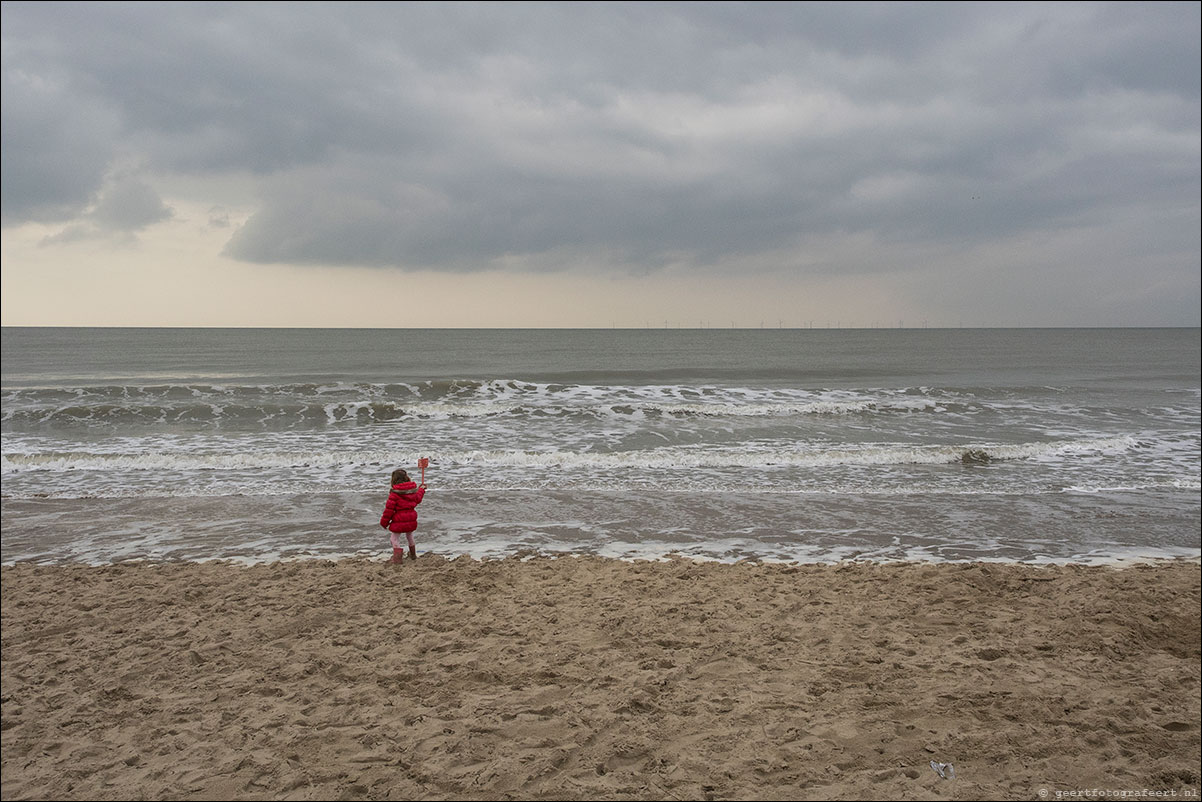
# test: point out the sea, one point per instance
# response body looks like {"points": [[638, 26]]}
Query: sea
{"points": [[782, 445]]}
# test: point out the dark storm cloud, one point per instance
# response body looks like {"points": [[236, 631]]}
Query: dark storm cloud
{"points": [[459, 136]]}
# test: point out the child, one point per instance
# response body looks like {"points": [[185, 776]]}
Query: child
{"points": [[399, 513]]}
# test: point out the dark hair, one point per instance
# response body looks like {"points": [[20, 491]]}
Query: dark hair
{"points": [[399, 477]]}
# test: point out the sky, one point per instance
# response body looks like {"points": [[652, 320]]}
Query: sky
{"points": [[600, 164]]}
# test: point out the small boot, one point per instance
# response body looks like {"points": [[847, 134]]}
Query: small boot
{"points": [[398, 556], [413, 552]]}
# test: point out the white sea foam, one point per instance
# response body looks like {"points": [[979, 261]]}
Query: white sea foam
{"points": [[1136, 487], [669, 457], [748, 455]]}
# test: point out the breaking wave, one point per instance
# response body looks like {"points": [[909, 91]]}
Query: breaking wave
{"points": [[300, 406], [667, 457]]}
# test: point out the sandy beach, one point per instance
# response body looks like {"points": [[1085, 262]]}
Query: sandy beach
{"points": [[586, 678]]}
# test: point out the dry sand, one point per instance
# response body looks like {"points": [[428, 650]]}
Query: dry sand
{"points": [[586, 678]]}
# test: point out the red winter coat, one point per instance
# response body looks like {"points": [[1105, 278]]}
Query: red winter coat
{"points": [[399, 515]]}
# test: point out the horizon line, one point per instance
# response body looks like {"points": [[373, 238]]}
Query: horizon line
{"points": [[923, 327]]}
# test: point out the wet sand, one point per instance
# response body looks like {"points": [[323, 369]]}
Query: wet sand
{"points": [[587, 678]]}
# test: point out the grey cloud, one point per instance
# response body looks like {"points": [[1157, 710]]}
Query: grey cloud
{"points": [[219, 217], [76, 232], [124, 207], [57, 146], [129, 205], [459, 136]]}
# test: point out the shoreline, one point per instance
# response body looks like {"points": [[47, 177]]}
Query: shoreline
{"points": [[540, 677], [1127, 560]]}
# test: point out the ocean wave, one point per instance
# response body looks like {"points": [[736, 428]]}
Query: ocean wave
{"points": [[1135, 487], [293, 405], [273, 407], [665, 457], [674, 457]]}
